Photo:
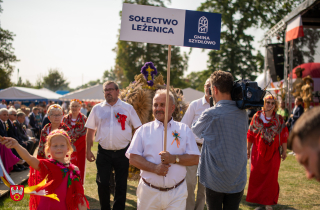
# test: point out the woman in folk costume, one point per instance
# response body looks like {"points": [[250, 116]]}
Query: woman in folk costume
{"points": [[63, 177], [76, 121], [55, 116], [267, 135]]}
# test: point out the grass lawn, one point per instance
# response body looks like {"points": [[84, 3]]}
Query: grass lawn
{"points": [[296, 192]]}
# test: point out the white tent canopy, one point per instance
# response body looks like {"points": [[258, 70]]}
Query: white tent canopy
{"points": [[28, 94], [190, 94], [93, 93]]}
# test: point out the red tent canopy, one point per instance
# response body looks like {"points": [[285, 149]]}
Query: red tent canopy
{"points": [[312, 69]]}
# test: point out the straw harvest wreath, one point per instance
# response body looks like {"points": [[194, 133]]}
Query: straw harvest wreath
{"points": [[140, 94]]}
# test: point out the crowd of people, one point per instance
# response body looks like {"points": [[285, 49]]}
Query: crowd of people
{"points": [[209, 148], [25, 124]]}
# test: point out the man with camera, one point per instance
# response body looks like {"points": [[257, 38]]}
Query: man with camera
{"points": [[192, 114], [223, 158]]}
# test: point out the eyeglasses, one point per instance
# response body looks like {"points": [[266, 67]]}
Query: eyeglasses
{"points": [[273, 103], [14, 115], [108, 90], [56, 115]]}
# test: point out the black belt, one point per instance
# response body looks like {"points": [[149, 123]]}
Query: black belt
{"points": [[162, 188]]}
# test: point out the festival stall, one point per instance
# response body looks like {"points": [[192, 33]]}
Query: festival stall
{"points": [[26, 95], [306, 15], [91, 94]]}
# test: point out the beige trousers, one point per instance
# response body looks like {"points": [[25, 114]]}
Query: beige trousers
{"points": [[153, 199]]}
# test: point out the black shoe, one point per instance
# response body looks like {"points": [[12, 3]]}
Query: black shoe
{"points": [[16, 169]]}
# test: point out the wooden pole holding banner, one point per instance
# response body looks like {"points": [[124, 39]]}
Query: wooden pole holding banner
{"points": [[167, 100]]}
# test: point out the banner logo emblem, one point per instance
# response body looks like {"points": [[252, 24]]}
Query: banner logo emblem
{"points": [[16, 192], [203, 25]]}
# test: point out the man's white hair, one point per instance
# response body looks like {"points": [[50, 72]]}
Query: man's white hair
{"points": [[164, 91], [12, 110], [3, 110]]}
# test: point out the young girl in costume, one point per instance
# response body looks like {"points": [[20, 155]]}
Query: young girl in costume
{"points": [[65, 176]]}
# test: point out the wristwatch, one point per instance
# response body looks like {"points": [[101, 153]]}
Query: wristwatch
{"points": [[177, 159]]}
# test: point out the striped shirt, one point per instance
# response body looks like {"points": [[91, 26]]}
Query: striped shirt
{"points": [[223, 158]]}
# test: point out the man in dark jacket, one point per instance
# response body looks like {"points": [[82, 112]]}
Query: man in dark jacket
{"points": [[3, 119], [296, 113], [22, 135], [33, 122], [8, 130]]}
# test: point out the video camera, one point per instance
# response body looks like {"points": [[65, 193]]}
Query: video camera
{"points": [[247, 94]]}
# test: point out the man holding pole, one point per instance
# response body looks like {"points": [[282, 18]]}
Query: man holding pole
{"points": [[163, 170]]}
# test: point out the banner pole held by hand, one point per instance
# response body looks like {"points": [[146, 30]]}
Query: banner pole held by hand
{"points": [[167, 100]]}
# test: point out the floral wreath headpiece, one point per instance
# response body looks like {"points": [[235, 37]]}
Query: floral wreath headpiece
{"points": [[76, 100], [55, 132], [270, 97], [56, 106]]}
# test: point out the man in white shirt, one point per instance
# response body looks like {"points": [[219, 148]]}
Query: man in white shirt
{"points": [[163, 170], [192, 114], [112, 122]]}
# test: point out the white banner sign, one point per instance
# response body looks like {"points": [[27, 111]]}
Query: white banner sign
{"points": [[161, 25]]}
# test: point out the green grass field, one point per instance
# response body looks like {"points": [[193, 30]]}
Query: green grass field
{"points": [[296, 192]]}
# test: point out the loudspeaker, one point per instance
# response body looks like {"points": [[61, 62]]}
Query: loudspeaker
{"points": [[275, 59]]}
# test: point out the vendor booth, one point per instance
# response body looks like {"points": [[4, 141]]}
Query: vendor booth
{"points": [[24, 94], [305, 16], [90, 94]]}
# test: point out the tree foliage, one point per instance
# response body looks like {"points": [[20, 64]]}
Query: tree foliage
{"points": [[55, 80], [27, 83], [6, 56], [236, 51], [115, 75], [131, 56], [196, 80]]}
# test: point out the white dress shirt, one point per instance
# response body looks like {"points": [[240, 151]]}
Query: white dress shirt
{"points": [[109, 132], [148, 143], [193, 112]]}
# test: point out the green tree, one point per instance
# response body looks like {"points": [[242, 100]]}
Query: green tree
{"points": [[131, 56], [20, 83], [116, 75], [196, 80], [55, 80], [6, 56], [236, 51]]}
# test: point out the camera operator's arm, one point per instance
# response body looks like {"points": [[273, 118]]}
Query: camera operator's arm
{"points": [[202, 123]]}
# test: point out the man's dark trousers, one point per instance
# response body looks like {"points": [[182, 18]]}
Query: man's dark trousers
{"points": [[106, 161], [226, 201]]}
